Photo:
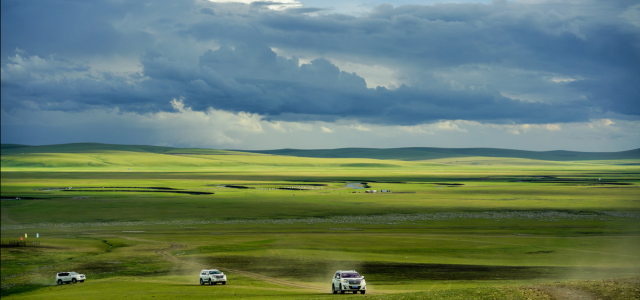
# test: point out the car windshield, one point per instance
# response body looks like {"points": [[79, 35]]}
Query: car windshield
{"points": [[215, 272], [351, 275], [73, 273]]}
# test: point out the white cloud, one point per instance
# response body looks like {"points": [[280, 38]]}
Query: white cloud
{"points": [[359, 127], [374, 74], [560, 79], [276, 4], [632, 15], [22, 66], [326, 130]]}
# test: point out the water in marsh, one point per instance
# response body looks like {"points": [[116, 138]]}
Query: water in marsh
{"points": [[354, 185]]}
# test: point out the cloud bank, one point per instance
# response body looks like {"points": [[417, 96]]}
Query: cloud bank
{"points": [[524, 63]]}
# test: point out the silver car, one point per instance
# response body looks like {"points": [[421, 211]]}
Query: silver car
{"points": [[212, 277], [348, 281], [67, 277]]}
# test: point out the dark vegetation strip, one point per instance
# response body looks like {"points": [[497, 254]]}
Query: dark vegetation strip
{"points": [[346, 180], [244, 187], [239, 187], [579, 182], [139, 191], [5, 198], [268, 183], [19, 243], [107, 187]]}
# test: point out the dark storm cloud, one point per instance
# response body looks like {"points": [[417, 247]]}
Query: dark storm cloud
{"points": [[591, 44], [72, 28]]}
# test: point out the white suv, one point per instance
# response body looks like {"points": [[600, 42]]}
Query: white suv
{"points": [[66, 277], [348, 281], [212, 276]]}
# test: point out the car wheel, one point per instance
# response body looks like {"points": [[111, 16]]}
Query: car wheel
{"points": [[341, 290], [74, 280], [201, 281], [224, 282], [60, 282], [210, 282], [362, 292], [333, 289]]}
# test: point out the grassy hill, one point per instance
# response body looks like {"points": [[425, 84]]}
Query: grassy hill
{"points": [[424, 153]]}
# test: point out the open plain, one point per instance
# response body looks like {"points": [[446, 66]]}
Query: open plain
{"points": [[141, 222]]}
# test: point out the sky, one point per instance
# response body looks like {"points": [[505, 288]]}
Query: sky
{"points": [[319, 74]]}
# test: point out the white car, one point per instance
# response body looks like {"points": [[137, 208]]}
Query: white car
{"points": [[212, 276], [348, 281], [66, 277]]}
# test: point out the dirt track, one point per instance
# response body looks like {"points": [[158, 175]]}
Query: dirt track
{"points": [[174, 246]]}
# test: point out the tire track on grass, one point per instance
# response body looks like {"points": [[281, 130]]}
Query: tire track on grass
{"points": [[5, 216], [172, 258]]}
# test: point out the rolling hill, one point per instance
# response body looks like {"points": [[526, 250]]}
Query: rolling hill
{"points": [[8, 149], [408, 154], [424, 153]]}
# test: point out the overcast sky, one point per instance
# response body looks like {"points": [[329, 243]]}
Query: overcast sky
{"points": [[532, 74]]}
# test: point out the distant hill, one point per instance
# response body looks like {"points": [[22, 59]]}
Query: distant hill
{"points": [[409, 154], [424, 153], [97, 147]]}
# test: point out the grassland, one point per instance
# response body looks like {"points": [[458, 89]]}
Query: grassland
{"points": [[452, 228]]}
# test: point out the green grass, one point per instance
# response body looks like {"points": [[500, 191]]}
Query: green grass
{"points": [[486, 226]]}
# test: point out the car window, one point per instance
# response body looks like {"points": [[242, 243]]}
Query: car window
{"points": [[73, 273], [350, 275], [214, 272]]}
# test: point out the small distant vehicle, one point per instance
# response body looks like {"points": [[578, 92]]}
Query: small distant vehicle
{"points": [[68, 277], [212, 276], [348, 281]]}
